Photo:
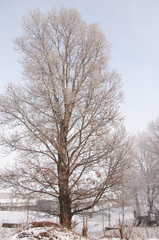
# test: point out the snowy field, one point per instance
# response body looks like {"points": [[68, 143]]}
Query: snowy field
{"points": [[96, 227]]}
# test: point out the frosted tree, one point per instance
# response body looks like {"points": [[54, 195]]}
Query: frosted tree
{"points": [[63, 121], [148, 165]]}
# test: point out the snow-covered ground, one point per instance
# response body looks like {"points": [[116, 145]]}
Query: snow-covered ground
{"points": [[48, 233], [96, 226]]}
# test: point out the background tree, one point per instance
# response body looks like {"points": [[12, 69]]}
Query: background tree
{"points": [[64, 121], [147, 156]]}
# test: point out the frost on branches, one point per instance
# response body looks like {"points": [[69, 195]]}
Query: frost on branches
{"points": [[63, 121]]}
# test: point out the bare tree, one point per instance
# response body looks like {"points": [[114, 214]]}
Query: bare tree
{"points": [[147, 155], [64, 121], [153, 168]]}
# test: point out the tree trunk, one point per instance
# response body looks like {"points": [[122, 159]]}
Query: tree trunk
{"points": [[65, 210], [138, 214], [63, 180], [150, 199]]}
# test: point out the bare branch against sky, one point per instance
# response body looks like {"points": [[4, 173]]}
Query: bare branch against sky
{"points": [[131, 27]]}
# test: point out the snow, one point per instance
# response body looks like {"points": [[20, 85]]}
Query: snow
{"points": [[95, 228], [47, 233]]}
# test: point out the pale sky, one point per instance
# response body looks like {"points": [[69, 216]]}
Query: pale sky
{"points": [[132, 27]]}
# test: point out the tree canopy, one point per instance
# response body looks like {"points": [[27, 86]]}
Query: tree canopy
{"points": [[64, 121]]}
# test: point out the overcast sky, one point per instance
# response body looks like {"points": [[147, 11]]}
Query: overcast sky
{"points": [[132, 26]]}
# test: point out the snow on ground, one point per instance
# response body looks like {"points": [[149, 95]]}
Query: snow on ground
{"points": [[19, 218], [96, 226], [53, 233], [10, 217]]}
